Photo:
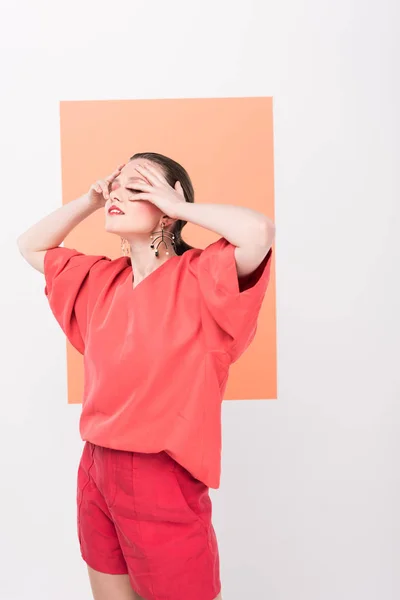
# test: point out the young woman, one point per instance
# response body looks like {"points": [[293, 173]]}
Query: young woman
{"points": [[158, 329]]}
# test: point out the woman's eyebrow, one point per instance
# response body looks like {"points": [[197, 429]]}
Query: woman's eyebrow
{"points": [[133, 179], [129, 180]]}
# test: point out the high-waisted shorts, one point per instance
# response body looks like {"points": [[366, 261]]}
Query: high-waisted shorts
{"points": [[146, 516]]}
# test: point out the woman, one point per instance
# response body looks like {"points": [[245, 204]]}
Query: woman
{"points": [[158, 330]]}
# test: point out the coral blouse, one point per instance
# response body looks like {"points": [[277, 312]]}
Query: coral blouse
{"points": [[156, 357]]}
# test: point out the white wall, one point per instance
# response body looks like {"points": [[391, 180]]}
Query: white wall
{"points": [[308, 508]]}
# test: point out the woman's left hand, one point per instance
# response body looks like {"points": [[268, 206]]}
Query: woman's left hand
{"points": [[158, 191]]}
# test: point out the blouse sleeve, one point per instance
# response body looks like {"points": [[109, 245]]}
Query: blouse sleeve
{"points": [[68, 288], [233, 303]]}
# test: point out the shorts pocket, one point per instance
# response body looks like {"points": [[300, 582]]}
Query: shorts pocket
{"points": [[156, 495], [195, 495], [83, 480]]}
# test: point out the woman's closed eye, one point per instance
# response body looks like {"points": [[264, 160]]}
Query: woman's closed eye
{"points": [[134, 191]]}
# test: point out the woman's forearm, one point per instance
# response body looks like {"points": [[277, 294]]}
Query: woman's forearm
{"points": [[241, 226], [51, 231]]}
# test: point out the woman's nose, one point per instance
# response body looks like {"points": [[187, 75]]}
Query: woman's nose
{"points": [[114, 197]]}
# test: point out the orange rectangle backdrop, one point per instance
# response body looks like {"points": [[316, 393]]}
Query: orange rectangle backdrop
{"points": [[226, 145]]}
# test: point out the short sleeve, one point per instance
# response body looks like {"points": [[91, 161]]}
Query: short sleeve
{"points": [[68, 287], [233, 303]]}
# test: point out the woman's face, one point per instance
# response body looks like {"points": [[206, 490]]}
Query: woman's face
{"points": [[138, 216]]}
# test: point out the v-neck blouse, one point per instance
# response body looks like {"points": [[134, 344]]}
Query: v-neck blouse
{"points": [[157, 355]]}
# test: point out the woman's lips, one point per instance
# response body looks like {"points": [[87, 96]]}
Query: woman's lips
{"points": [[114, 210]]}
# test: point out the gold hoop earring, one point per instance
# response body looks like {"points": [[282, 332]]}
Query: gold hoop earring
{"points": [[125, 247]]}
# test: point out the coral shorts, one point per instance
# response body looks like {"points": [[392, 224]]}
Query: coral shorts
{"points": [[144, 515]]}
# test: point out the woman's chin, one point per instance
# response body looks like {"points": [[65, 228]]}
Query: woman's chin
{"points": [[111, 228], [116, 225], [127, 231]]}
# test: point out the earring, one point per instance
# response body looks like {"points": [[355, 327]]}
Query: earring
{"points": [[161, 237], [125, 247]]}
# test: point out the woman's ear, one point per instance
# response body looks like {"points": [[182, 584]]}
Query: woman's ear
{"points": [[167, 221]]}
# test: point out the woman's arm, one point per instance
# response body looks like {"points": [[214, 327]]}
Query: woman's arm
{"points": [[51, 231], [250, 231]]}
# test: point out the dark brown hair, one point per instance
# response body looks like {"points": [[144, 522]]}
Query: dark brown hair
{"points": [[173, 172]]}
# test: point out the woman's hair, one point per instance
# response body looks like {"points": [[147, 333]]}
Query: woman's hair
{"points": [[173, 172]]}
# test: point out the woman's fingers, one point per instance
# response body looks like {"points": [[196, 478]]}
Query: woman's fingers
{"points": [[141, 186], [101, 187], [98, 192], [156, 173], [105, 185], [114, 174], [179, 188], [143, 196], [104, 189], [151, 174]]}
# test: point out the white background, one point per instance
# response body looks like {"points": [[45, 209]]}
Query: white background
{"points": [[308, 508]]}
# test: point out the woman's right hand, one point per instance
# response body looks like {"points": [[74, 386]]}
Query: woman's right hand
{"points": [[99, 192]]}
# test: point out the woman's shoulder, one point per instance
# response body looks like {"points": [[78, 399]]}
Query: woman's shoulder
{"points": [[198, 258], [116, 264], [68, 264], [212, 247]]}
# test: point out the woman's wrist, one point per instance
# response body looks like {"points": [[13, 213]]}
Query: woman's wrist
{"points": [[181, 211], [88, 204], [51, 231]]}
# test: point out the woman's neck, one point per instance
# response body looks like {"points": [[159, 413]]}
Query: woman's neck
{"points": [[143, 258]]}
